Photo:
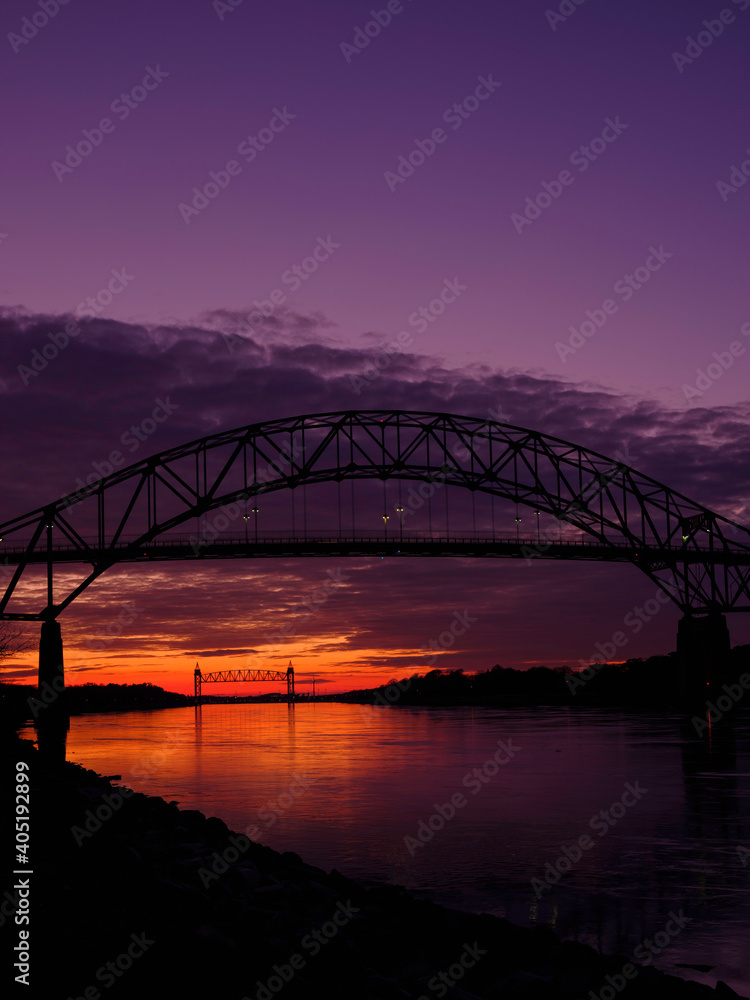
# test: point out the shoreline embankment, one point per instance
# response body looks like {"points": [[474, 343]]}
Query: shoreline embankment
{"points": [[132, 896]]}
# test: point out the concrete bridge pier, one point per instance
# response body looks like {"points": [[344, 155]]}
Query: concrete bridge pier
{"points": [[51, 669], [703, 648], [51, 718]]}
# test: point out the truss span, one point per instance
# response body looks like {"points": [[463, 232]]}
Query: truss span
{"points": [[229, 676], [700, 559]]}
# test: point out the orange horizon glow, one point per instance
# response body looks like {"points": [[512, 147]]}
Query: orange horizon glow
{"points": [[164, 673]]}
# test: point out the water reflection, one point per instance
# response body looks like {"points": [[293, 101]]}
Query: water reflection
{"points": [[363, 781], [51, 730]]}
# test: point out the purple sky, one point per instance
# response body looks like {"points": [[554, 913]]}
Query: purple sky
{"points": [[342, 120]]}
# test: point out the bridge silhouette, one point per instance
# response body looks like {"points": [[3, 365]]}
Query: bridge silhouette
{"points": [[234, 676], [700, 559]]}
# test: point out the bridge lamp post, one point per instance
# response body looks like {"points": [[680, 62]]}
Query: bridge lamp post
{"points": [[538, 536], [400, 511], [255, 512], [385, 526], [518, 529]]}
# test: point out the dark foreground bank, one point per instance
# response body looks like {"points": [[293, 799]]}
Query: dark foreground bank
{"points": [[133, 897]]}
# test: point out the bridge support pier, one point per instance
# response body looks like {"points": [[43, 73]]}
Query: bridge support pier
{"points": [[51, 718], [51, 669], [703, 648]]}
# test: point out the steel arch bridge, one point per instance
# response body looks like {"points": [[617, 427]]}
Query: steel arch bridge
{"points": [[699, 558]]}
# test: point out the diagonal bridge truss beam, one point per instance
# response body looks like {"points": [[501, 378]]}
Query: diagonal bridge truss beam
{"points": [[700, 559], [226, 676]]}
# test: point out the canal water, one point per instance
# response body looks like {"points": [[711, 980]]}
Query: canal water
{"points": [[604, 825]]}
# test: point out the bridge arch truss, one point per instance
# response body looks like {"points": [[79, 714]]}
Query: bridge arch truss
{"points": [[699, 558]]}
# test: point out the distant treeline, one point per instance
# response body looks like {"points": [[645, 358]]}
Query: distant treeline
{"points": [[655, 681], [17, 701]]}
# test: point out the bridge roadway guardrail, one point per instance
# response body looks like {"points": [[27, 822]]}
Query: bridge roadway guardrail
{"points": [[181, 546]]}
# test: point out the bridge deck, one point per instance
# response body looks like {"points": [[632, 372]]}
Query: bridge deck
{"points": [[292, 546]]}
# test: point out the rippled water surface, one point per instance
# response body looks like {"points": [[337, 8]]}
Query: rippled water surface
{"points": [[343, 786]]}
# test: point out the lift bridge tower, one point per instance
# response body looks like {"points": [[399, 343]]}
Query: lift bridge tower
{"points": [[225, 676]]}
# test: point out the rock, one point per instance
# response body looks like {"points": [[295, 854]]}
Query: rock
{"points": [[722, 990], [139, 873]]}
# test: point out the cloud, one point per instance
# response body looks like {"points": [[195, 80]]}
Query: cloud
{"points": [[74, 412], [218, 652], [10, 672]]}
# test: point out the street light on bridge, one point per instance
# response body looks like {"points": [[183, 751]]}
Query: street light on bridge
{"points": [[400, 511], [385, 525], [246, 518]]}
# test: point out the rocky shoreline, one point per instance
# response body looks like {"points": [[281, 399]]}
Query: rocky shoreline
{"points": [[134, 897]]}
